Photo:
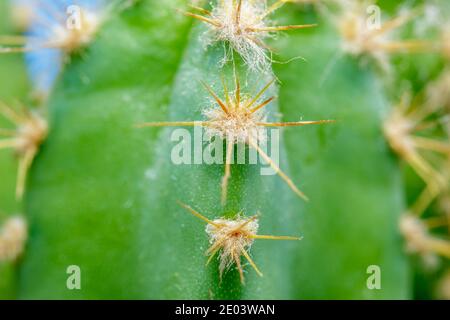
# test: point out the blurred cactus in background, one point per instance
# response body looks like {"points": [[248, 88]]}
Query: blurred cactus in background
{"points": [[344, 103]]}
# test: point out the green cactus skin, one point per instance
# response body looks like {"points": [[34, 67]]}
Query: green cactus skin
{"points": [[347, 227], [90, 171]]}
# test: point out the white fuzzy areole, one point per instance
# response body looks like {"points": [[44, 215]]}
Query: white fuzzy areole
{"points": [[240, 126], [73, 38], [398, 129], [417, 238], [233, 236], [360, 40], [13, 236], [414, 231], [438, 92], [239, 35], [31, 133]]}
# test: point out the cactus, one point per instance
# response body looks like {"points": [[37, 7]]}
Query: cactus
{"points": [[155, 111], [14, 85]]}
